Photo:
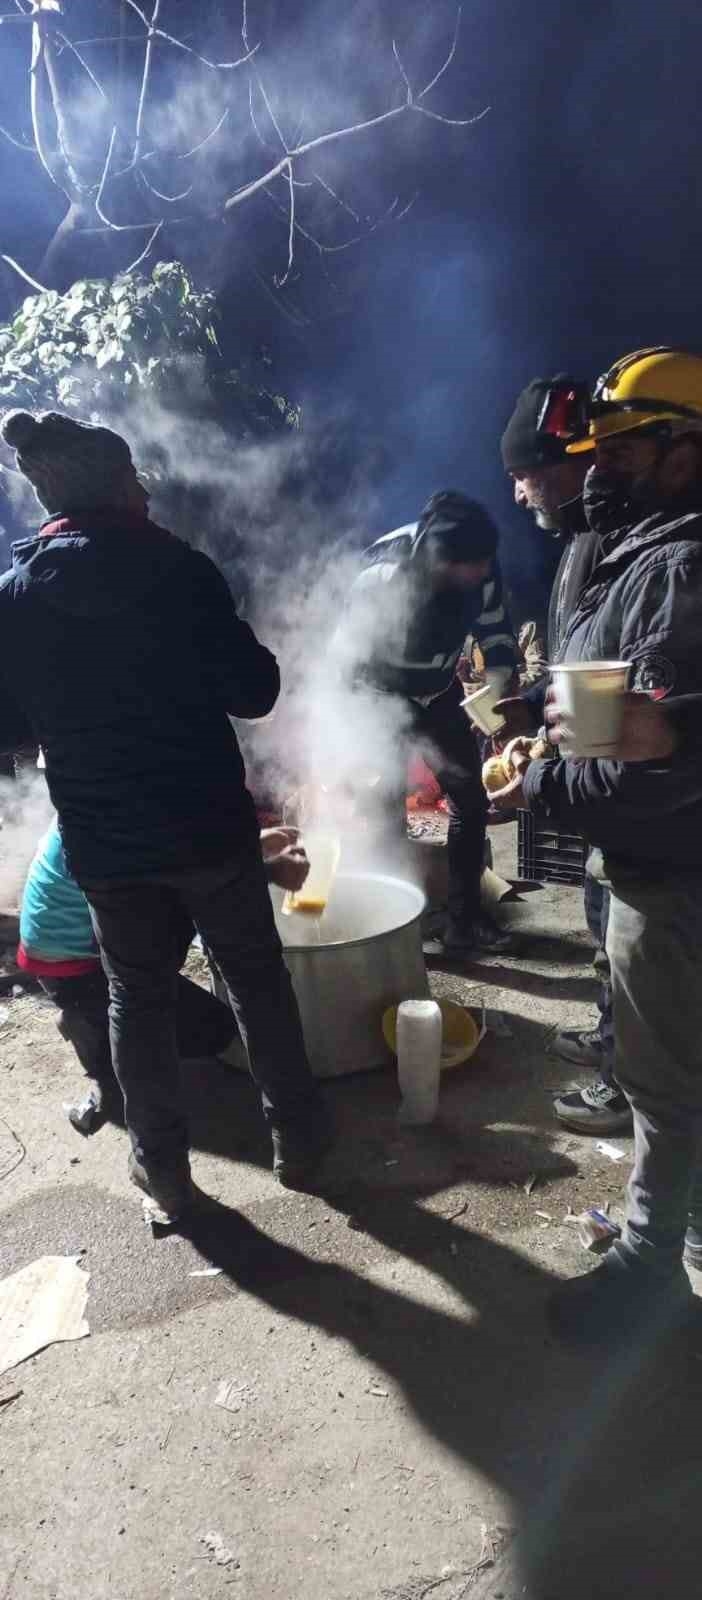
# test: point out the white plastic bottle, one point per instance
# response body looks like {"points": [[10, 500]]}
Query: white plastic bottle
{"points": [[418, 1060]]}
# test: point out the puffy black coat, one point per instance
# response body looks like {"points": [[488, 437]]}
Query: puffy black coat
{"points": [[122, 653], [643, 604], [410, 639]]}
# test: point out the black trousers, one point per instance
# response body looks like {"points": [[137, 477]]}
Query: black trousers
{"points": [[204, 1026], [443, 736], [136, 925]]}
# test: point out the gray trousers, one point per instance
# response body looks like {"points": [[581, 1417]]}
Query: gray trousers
{"points": [[654, 944]]}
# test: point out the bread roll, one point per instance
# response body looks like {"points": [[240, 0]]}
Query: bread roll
{"points": [[495, 774]]}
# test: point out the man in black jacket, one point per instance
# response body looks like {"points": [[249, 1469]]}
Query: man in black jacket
{"points": [[121, 651], [643, 605], [424, 588], [549, 483]]}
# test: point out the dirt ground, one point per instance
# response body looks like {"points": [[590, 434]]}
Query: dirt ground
{"points": [[394, 1408]]}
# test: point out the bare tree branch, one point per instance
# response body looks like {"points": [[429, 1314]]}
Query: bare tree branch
{"points": [[406, 209], [186, 154], [405, 78], [260, 86], [454, 45], [336, 249], [64, 149], [452, 122], [147, 248], [62, 130], [170, 199], [281, 282], [342, 203], [34, 71], [254, 123], [114, 227], [217, 66], [269, 109], [304, 149], [143, 91], [84, 64], [111, 38], [40, 287], [20, 144]]}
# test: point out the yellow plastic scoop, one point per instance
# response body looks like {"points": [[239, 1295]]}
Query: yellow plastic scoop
{"points": [[324, 851], [460, 1035]]}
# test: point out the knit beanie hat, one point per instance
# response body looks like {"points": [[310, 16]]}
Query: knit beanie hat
{"points": [[72, 466], [523, 446], [456, 528]]}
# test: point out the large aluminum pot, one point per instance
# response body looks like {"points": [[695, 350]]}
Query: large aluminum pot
{"points": [[363, 955]]}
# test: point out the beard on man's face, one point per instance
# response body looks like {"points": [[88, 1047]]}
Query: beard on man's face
{"points": [[546, 520]]}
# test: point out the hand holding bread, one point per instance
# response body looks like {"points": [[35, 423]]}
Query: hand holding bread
{"points": [[502, 773]]}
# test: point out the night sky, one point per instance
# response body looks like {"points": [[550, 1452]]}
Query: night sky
{"points": [[560, 231]]}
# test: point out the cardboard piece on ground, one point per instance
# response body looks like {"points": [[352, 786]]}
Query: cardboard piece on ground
{"points": [[42, 1304], [493, 888]]}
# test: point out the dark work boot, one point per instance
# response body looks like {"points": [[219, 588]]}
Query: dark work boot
{"points": [[298, 1152], [482, 936], [617, 1303], [171, 1188]]}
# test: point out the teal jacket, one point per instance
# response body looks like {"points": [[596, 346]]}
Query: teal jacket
{"points": [[55, 920]]}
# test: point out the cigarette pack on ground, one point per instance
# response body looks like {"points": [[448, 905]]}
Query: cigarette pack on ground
{"points": [[596, 1231]]}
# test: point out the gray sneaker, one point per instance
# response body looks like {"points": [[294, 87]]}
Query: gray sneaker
{"points": [[581, 1045], [693, 1248], [599, 1108]]}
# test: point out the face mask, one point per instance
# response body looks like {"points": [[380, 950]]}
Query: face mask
{"points": [[609, 502]]}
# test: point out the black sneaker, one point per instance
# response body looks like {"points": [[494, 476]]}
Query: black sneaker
{"points": [[298, 1153], [581, 1045], [481, 935], [171, 1189], [599, 1108], [616, 1302]]}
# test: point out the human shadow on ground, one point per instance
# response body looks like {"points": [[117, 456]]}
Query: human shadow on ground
{"points": [[600, 1456], [589, 1449], [498, 976]]}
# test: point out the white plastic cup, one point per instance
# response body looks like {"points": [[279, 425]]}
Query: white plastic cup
{"points": [[419, 1030], [478, 707], [590, 695]]}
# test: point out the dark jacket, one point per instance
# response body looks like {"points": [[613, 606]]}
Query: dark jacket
{"points": [[121, 648], [409, 639], [581, 549], [643, 604]]}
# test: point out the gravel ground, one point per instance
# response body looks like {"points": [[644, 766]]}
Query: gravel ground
{"points": [[363, 1401]]}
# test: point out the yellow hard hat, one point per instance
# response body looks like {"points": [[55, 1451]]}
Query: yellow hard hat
{"points": [[650, 387]]}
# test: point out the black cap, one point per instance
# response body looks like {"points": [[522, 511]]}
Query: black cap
{"points": [[458, 529], [523, 446]]}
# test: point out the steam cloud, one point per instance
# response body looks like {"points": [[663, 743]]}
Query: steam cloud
{"points": [[290, 549], [298, 548], [25, 811]]}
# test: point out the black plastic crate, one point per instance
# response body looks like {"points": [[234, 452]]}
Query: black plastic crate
{"points": [[546, 854]]}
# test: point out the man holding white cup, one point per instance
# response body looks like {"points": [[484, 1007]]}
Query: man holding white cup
{"points": [[637, 794], [548, 483]]}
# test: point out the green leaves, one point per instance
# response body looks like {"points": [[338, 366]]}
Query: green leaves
{"points": [[98, 347]]}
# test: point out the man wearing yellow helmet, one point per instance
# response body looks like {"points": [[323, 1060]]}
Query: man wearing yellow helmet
{"points": [[643, 604], [640, 410]]}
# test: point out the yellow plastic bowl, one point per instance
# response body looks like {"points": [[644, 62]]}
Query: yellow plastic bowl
{"points": [[461, 1034]]}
